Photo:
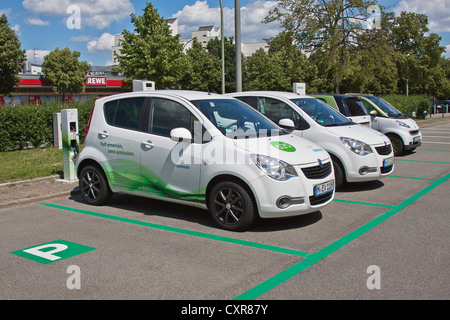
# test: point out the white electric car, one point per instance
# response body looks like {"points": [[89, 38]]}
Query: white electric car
{"points": [[403, 132], [202, 149], [359, 153]]}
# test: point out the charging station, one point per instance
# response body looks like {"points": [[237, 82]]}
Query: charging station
{"points": [[70, 142], [143, 85], [299, 87]]}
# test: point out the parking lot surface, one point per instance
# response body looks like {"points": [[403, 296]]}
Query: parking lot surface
{"points": [[386, 239]]}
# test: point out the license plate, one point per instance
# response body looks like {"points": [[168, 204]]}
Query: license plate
{"points": [[416, 140], [323, 188], [388, 162]]}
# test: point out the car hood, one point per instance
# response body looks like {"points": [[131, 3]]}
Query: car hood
{"points": [[361, 133], [289, 148]]}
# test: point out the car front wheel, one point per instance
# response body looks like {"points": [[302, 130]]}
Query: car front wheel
{"points": [[231, 206]]}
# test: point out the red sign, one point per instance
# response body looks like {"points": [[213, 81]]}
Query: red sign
{"points": [[96, 81]]}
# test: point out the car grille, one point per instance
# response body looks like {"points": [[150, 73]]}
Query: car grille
{"points": [[387, 169], [413, 132], [320, 199], [384, 150], [317, 172]]}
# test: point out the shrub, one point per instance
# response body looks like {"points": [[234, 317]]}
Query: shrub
{"points": [[409, 104], [32, 125]]}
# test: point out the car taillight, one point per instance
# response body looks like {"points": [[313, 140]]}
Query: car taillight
{"points": [[86, 129]]}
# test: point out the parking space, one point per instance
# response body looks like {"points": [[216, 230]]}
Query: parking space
{"points": [[146, 249]]}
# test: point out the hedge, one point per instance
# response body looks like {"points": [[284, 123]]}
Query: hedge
{"points": [[409, 104], [32, 125]]}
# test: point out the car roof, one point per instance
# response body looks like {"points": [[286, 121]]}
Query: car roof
{"points": [[185, 94], [284, 94], [336, 95]]}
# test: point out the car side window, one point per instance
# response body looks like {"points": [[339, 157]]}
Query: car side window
{"points": [[355, 107], [275, 109], [251, 101], [124, 113], [166, 115], [371, 110]]}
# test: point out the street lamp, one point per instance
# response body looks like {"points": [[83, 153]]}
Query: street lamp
{"points": [[237, 31], [223, 47]]}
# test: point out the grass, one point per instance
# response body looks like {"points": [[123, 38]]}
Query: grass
{"points": [[30, 163]]}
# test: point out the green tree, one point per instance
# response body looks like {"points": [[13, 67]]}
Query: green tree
{"points": [[202, 70], [264, 72], [65, 71], [11, 57], [151, 52], [419, 63], [325, 26], [214, 48]]}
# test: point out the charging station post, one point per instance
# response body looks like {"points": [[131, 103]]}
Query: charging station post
{"points": [[70, 141]]}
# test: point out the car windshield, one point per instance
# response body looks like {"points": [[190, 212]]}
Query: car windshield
{"points": [[390, 110], [237, 120], [321, 112]]}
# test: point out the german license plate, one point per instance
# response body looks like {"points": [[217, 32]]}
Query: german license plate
{"points": [[323, 188], [388, 162], [416, 140]]}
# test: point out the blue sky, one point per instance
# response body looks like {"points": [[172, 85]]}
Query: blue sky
{"points": [[42, 24]]}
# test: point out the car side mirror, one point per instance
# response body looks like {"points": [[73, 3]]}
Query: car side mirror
{"points": [[286, 123], [180, 134]]}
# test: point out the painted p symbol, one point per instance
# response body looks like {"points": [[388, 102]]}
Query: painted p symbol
{"points": [[49, 255]]}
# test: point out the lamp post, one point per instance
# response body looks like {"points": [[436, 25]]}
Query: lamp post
{"points": [[237, 31], [223, 47]]}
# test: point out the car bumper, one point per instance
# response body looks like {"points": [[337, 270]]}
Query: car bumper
{"points": [[293, 197]]}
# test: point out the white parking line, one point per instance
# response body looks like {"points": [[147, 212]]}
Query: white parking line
{"points": [[436, 142], [425, 136]]}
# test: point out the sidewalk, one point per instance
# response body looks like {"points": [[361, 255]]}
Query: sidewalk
{"points": [[40, 189], [433, 120]]}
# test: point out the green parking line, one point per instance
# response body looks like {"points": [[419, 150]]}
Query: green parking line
{"points": [[364, 203], [281, 277], [182, 231], [414, 178]]}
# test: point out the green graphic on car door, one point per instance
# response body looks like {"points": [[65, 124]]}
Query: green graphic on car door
{"points": [[148, 182]]}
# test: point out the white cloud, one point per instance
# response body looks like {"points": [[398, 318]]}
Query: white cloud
{"points": [[252, 29], [37, 22], [104, 43], [36, 56], [94, 13], [438, 12]]}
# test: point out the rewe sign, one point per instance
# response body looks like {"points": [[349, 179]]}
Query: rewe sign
{"points": [[96, 81]]}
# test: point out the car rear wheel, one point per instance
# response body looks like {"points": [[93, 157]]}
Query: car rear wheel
{"points": [[231, 206], [93, 186]]}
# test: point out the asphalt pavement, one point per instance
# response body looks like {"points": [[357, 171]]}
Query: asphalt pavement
{"points": [[381, 240]]}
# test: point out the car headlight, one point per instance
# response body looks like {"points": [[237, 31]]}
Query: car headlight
{"points": [[356, 146], [274, 168], [402, 124]]}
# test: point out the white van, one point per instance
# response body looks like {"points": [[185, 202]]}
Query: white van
{"points": [[403, 132], [201, 149], [359, 153]]}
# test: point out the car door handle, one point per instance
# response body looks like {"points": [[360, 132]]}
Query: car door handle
{"points": [[104, 134], [148, 144]]}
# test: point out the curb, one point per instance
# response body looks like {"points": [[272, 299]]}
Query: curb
{"points": [[28, 200]]}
